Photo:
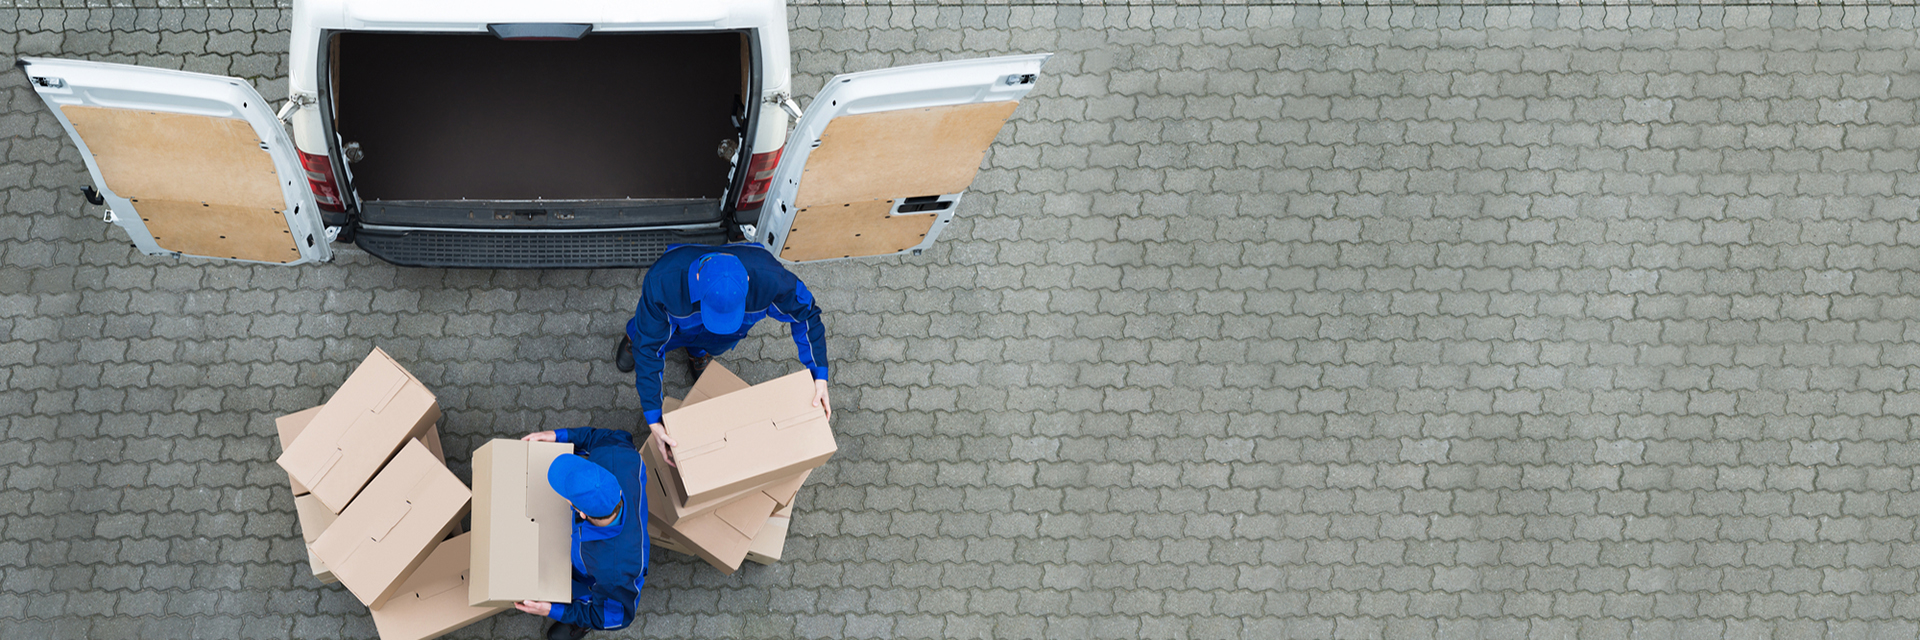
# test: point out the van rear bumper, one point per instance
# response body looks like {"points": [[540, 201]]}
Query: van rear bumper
{"points": [[541, 215], [602, 249]]}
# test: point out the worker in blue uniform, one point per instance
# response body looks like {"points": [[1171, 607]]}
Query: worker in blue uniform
{"points": [[704, 299], [602, 480]]}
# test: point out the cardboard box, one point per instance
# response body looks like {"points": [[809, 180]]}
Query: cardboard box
{"points": [[314, 520], [771, 540], [723, 537], [433, 601], [292, 424], [659, 533], [662, 489], [432, 441], [314, 516], [522, 529], [760, 434], [378, 409], [407, 510], [715, 382]]}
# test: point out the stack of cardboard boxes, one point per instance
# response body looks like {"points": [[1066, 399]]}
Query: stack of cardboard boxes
{"points": [[742, 453], [377, 505], [380, 512]]}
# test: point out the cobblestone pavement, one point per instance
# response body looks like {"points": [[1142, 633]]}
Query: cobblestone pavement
{"points": [[1491, 322]]}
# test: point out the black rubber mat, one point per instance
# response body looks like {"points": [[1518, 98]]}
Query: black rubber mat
{"points": [[442, 117]]}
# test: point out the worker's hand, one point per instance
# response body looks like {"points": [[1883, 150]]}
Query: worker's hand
{"points": [[660, 436], [534, 607], [544, 436], [820, 398]]}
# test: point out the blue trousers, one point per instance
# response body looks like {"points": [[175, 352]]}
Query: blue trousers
{"points": [[702, 349]]}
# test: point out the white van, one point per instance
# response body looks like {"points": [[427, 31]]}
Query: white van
{"points": [[506, 133]]}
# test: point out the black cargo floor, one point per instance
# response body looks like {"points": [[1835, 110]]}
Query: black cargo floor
{"points": [[443, 117]]}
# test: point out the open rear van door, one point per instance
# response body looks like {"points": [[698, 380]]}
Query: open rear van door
{"points": [[189, 164], [879, 161]]}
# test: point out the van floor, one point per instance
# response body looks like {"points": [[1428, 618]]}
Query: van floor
{"points": [[446, 117]]}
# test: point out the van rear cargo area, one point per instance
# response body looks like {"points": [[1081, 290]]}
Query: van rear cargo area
{"points": [[607, 117]]}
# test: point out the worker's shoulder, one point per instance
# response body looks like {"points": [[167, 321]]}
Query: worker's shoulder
{"points": [[755, 257]]}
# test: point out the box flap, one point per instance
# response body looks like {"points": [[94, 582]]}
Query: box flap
{"points": [[387, 517], [669, 403], [746, 516], [783, 492]]}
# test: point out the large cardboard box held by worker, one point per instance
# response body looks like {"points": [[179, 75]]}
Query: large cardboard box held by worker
{"points": [[376, 411], [292, 425], [757, 435], [667, 506], [522, 529], [408, 509], [722, 536], [433, 600]]}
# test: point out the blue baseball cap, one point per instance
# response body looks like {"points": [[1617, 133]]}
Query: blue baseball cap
{"points": [[719, 282], [590, 487]]}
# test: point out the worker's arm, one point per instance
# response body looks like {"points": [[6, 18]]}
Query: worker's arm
{"points": [[796, 308], [598, 608], [649, 330], [589, 438]]}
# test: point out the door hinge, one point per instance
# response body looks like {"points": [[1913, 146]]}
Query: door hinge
{"points": [[294, 101], [786, 103]]}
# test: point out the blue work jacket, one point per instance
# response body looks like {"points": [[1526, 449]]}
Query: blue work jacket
{"points": [[668, 318], [610, 562]]}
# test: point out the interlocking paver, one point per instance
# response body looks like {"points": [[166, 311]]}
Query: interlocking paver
{"points": [[1262, 321]]}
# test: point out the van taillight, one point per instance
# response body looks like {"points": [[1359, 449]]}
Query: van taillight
{"points": [[759, 177], [326, 192]]}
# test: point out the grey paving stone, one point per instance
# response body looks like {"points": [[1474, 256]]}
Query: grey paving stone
{"points": [[1262, 321]]}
